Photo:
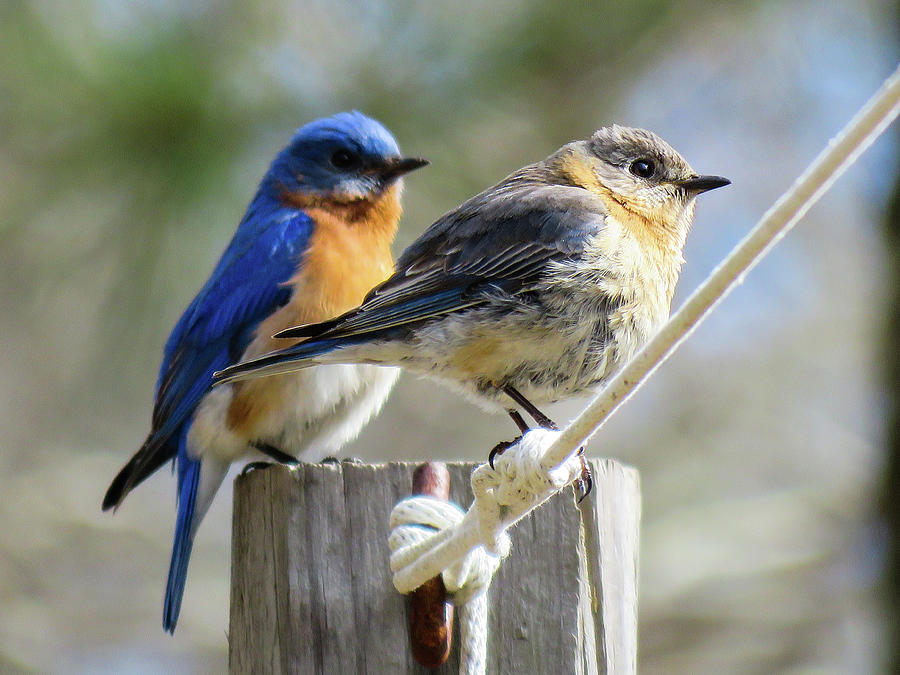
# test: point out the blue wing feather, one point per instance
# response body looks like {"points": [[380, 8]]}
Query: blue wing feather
{"points": [[247, 285], [188, 481]]}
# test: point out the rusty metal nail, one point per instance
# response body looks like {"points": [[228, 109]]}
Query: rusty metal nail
{"points": [[430, 615]]}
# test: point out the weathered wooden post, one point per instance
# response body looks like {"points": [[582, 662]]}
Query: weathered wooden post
{"points": [[311, 588]]}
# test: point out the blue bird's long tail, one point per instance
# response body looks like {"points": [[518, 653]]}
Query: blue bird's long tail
{"points": [[198, 481]]}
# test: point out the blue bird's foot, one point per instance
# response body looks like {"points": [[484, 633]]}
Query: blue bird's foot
{"points": [[332, 459], [256, 466], [585, 482], [278, 455]]}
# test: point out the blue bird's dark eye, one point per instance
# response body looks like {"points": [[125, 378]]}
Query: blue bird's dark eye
{"points": [[642, 168], [344, 159]]}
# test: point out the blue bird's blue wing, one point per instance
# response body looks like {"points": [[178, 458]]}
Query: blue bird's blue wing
{"points": [[247, 285]]}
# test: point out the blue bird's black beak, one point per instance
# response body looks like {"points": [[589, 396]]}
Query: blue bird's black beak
{"points": [[698, 184], [398, 166]]}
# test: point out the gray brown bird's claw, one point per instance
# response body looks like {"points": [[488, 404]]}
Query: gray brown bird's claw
{"points": [[500, 448], [584, 484]]}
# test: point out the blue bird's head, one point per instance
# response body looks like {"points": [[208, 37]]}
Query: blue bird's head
{"points": [[345, 158]]}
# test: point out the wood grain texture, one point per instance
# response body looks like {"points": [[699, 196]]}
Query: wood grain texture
{"points": [[612, 533], [312, 592]]}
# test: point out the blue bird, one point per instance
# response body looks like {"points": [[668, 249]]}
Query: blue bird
{"points": [[315, 238]]}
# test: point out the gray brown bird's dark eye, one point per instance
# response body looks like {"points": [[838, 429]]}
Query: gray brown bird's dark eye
{"points": [[642, 168], [344, 159]]}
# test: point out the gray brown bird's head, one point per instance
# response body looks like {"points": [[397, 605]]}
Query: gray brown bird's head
{"points": [[638, 175]]}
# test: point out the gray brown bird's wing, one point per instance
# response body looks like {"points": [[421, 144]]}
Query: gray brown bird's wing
{"points": [[500, 241]]}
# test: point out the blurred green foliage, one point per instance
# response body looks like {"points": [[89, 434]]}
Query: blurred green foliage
{"points": [[143, 124]]}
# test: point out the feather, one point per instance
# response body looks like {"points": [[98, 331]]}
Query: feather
{"points": [[246, 287]]}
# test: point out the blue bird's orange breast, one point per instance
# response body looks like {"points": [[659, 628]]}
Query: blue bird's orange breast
{"points": [[348, 253]]}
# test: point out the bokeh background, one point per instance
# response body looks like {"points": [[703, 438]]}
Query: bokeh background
{"points": [[132, 134]]}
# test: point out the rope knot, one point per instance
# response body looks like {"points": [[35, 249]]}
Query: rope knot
{"points": [[416, 526], [519, 479]]}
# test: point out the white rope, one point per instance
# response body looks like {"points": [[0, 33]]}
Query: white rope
{"points": [[416, 520], [473, 632], [484, 524]]}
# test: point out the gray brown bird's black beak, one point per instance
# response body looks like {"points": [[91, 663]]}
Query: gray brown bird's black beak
{"points": [[397, 166], [698, 184]]}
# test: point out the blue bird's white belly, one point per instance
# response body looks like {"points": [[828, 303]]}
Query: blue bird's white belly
{"points": [[308, 414], [325, 407]]}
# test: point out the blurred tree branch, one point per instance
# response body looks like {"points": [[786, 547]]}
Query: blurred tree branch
{"points": [[891, 480], [891, 484]]}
